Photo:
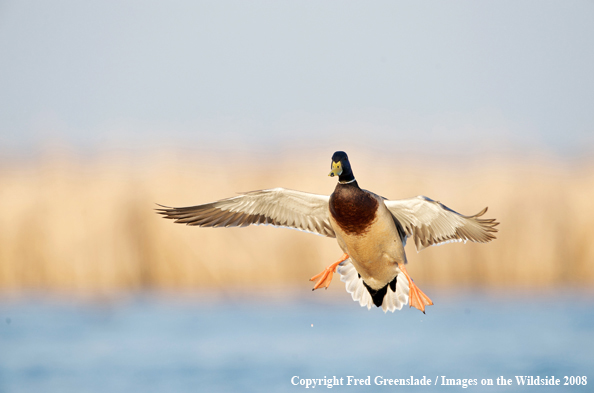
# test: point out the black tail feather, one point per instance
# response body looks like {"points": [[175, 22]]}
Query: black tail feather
{"points": [[378, 295]]}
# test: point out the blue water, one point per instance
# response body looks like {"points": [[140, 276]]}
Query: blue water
{"points": [[164, 343]]}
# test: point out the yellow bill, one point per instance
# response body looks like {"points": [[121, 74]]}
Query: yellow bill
{"points": [[336, 169]]}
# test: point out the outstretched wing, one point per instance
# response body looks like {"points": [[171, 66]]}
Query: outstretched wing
{"points": [[432, 223], [279, 207]]}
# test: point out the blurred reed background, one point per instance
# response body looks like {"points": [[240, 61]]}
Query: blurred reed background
{"points": [[89, 226]]}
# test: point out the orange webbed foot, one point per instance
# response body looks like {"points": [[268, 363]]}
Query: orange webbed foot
{"points": [[417, 298], [325, 277]]}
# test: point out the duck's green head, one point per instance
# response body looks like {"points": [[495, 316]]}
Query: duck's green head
{"points": [[341, 167]]}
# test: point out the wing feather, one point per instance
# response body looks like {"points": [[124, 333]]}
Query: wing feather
{"points": [[431, 223], [278, 207]]}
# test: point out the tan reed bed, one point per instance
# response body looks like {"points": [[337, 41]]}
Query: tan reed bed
{"points": [[67, 225]]}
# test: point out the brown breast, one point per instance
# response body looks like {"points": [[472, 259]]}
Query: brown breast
{"points": [[352, 208]]}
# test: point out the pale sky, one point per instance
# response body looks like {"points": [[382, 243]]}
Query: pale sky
{"points": [[415, 76]]}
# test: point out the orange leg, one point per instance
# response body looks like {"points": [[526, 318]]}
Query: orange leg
{"points": [[325, 277], [417, 298]]}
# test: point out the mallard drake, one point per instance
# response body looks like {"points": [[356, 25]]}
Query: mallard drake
{"points": [[371, 231]]}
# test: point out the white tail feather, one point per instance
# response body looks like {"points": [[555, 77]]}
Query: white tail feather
{"points": [[395, 300], [354, 285]]}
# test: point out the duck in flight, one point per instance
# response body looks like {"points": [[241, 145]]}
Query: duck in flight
{"points": [[371, 231]]}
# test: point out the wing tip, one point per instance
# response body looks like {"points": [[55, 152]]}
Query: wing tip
{"points": [[479, 214]]}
